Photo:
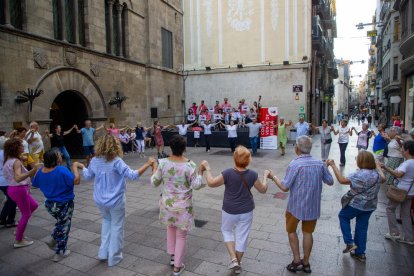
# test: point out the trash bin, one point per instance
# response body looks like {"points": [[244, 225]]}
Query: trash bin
{"points": [[292, 137]]}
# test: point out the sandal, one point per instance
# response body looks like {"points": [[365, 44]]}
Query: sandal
{"points": [[306, 268], [293, 267]]}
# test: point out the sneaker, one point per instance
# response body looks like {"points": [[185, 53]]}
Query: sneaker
{"points": [[172, 260], [59, 257], [349, 248], [393, 237], [403, 240], [178, 273], [51, 244], [360, 257], [22, 243], [234, 264]]}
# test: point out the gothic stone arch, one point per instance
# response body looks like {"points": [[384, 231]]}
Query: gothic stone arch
{"points": [[62, 79]]}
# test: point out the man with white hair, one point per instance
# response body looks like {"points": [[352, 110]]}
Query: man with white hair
{"points": [[36, 147], [304, 177]]}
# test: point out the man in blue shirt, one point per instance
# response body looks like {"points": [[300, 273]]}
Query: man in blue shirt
{"points": [[302, 127], [87, 138]]}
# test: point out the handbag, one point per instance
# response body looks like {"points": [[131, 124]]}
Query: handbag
{"points": [[328, 141], [346, 198], [396, 194]]}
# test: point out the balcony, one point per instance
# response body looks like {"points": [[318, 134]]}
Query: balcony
{"points": [[407, 45]]}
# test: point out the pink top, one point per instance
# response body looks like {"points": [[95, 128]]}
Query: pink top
{"points": [[8, 173], [113, 131], [397, 123]]}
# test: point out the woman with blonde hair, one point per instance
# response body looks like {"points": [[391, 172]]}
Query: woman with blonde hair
{"points": [[110, 173], [238, 203], [359, 202], [180, 177]]}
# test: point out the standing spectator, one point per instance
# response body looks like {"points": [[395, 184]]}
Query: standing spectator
{"points": [[369, 119], [339, 118], [57, 184], [232, 134], [217, 107], [304, 177], [18, 179], [238, 202], [110, 172], [194, 107], [326, 139], [179, 177], [34, 139], [382, 120], [396, 121], [191, 116], [405, 176], [363, 136], [281, 133], [343, 139], [394, 155], [302, 127], [364, 184], [207, 133], [226, 106], [58, 141], [88, 133], [8, 213], [254, 130], [380, 143], [202, 107]]}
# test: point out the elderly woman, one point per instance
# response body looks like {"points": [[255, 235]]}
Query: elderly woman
{"points": [[110, 172], [57, 184], [405, 179], [326, 139], [238, 203], [18, 179], [281, 133], [363, 136], [179, 177], [395, 157], [364, 187]]}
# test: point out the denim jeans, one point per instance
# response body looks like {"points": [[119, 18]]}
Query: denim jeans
{"points": [[342, 148], [253, 144], [112, 235], [361, 227], [66, 155]]}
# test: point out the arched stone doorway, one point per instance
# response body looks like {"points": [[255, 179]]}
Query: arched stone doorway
{"points": [[69, 108]]}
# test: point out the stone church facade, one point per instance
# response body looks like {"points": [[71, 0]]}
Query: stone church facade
{"points": [[81, 53]]}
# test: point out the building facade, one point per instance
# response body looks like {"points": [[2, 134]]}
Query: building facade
{"points": [[83, 54], [406, 47], [249, 48], [341, 98]]}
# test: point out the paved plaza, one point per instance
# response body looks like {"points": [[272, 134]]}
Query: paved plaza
{"points": [[268, 251]]}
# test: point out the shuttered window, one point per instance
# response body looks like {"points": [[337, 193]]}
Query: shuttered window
{"points": [[167, 48]]}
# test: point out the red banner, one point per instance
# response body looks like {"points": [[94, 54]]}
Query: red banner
{"points": [[268, 137]]}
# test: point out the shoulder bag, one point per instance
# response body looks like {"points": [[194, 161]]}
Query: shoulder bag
{"points": [[346, 198], [326, 141], [244, 182], [396, 194]]}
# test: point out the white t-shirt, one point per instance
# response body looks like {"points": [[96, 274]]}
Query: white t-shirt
{"points": [[405, 182], [232, 131], [25, 146], [343, 135], [37, 144], [394, 149], [182, 130]]}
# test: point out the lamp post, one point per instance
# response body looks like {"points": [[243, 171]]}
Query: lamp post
{"points": [[117, 100]]}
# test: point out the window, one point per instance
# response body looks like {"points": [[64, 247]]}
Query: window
{"points": [[168, 102], [395, 69], [396, 29], [167, 48], [69, 21], [11, 13], [116, 21]]}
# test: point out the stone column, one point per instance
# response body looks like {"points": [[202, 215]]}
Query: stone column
{"points": [[62, 19], [119, 11], [110, 4], [7, 13], [76, 20]]}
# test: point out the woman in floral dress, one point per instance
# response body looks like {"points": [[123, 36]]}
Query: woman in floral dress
{"points": [[180, 177]]}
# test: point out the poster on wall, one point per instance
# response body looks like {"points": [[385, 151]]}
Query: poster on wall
{"points": [[268, 137]]}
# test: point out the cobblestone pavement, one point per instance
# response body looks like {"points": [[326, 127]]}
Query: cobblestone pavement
{"points": [[268, 252]]}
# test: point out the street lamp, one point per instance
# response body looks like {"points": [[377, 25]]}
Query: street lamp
{"points": [[360, 26], [28, 96], [117, 100]]}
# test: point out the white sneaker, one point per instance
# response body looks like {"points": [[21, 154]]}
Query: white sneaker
{"points": [[59, 257], [403, 240], [22, 243], [393, 237], [178, 273], [234, 264]]}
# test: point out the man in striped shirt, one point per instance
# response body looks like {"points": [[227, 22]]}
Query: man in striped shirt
{"points": [[304, 177]]}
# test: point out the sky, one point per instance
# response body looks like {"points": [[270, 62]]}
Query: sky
{"points": [[351, 43]]}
